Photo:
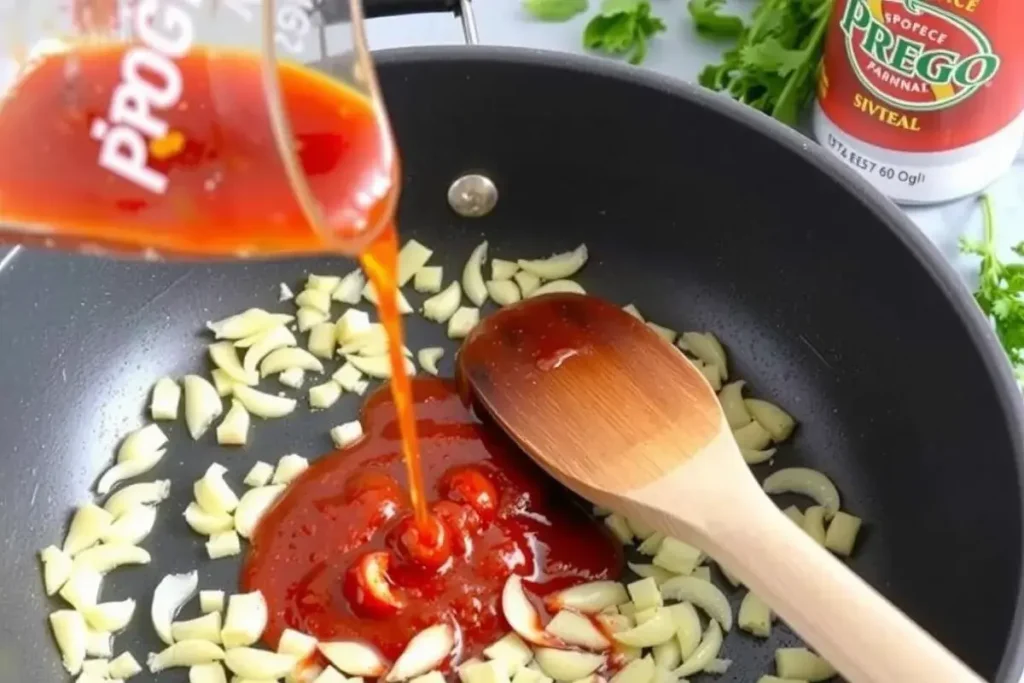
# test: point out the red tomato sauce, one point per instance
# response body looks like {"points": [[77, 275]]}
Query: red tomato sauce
{"points": [[331, 560]]}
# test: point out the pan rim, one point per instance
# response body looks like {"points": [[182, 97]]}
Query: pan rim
{"points": [[891, 216]]}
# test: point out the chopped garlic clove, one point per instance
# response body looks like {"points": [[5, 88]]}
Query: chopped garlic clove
{"points": [[504, 292], [429, 357], [207, 523], [502, 269], [370, 294], [309, 318], [253, 505], [124, 666], [557, 267], [346, 434], [88, 525], [245, 620], [69, 631], [472, 275], [323, 283], [264, 405], [185, 653], [352, 324], [314, 299], [322, 340], [224, 544], [350, 289], [109, 616], [212, 493], [82, 589], [136, 495], [425, 651], [528, 282], [233, 430], [411, 259], [442, 306], [259, 475], [202, 405], [428, 280], [206, 627], [211, 601], [225, 357], [224, 385], [250, 663], [463, 322], [283, 359], [522, 616], [354, 658], [289, 467], [109, 556], [165, 400], [324, 395], [170, 594], [296, 643], [56, 568], [589, 598], [558, 287], [207, 673], [271, 340], [567, 665], [292, 377]]}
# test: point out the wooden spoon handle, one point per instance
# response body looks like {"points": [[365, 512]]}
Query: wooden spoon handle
{"points": [[850, 624]]}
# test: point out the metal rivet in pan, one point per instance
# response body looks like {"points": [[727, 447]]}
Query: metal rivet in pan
{"points": [[473, 195]]}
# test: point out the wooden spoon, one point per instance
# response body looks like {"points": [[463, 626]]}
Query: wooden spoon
{"points": [[619, 415]]}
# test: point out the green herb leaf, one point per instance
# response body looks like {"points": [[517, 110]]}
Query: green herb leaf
{"points": [[554, 10], [708, 21], [623, 27]]}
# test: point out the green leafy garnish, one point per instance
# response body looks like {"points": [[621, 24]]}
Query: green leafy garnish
{"points": [[773, 65], [709, 22], [555, 10], [623, 27], [999, 289]]}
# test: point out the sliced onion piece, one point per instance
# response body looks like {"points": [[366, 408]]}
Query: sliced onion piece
{"points": [[807, 482], [56, 568], [283, 359], [211, 601], [511, 651], [688, 629], [370, 294], [271, 340], [528, 283], [82, 589], [94, 670], [502, 269], [658, 629], [171, 593], [253, 664], [665, 333], [411, 258], [224, 544], [259, 475], [346, 434], [377, 366], [442, 306], [264, 405], [802, 664], [127, 470], [323, 283], [706, 347], [324, 395], [755, 457], [289, 467], [322, 340], [710, 645], [427, 650], [109, 616], [701, 593], [429, 357], [428, 280], [207, 523], [575, 629], [354, 658], [731, 400], [233, 430], [224, 385], [69, 631], [202, 405], [677, 556], [652, 544], [136, 495], [462, 322], [752, 436], [208, 673], [589, 598], [431, 677], [350, 289], [619, 528], [477, 671], [139, 444], [521, 615], [557, 267], [814, 523], [373, 341], [504, 292], [88, 525], [352, 324], [558, 287], [165, 400], [296, 643], [247, 323], [842, 533], [253, 505], [213, 493], [777, 421], [123, 666], [206, 627], [106, 557], [667, 655], [567, 665], [755, 617], [225, 357], [473, 277], [637, 671], [185, 653], [315, 299], [292, 377], [98, 643], [644, 571], [245, 620], [308, 318]]}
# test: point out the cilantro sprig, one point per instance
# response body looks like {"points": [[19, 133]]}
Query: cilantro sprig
{"points": [[623, 27], [555, 10], [1000, 286]]}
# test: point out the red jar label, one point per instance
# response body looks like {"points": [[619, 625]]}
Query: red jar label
{"points": [[918, 76]]}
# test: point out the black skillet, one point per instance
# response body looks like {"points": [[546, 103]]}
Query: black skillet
{"points": [[828, 299]]}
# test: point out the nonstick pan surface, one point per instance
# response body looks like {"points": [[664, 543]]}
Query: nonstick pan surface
{"points": [[704, 215]]}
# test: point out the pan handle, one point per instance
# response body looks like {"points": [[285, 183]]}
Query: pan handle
{"points": [[333, 11]]}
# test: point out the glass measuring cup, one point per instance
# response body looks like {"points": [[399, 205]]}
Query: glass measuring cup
{"points": [[190, 128]]}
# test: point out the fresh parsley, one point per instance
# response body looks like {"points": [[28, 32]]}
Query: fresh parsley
{"points": [[773, 65], [555, 10], [623, 27], [999, 289]]}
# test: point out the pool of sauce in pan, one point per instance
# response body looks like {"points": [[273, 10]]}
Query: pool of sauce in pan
{"points": [[334, 557]]}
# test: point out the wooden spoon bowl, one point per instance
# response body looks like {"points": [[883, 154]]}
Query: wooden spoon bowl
{"points": [[620, 416]]}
